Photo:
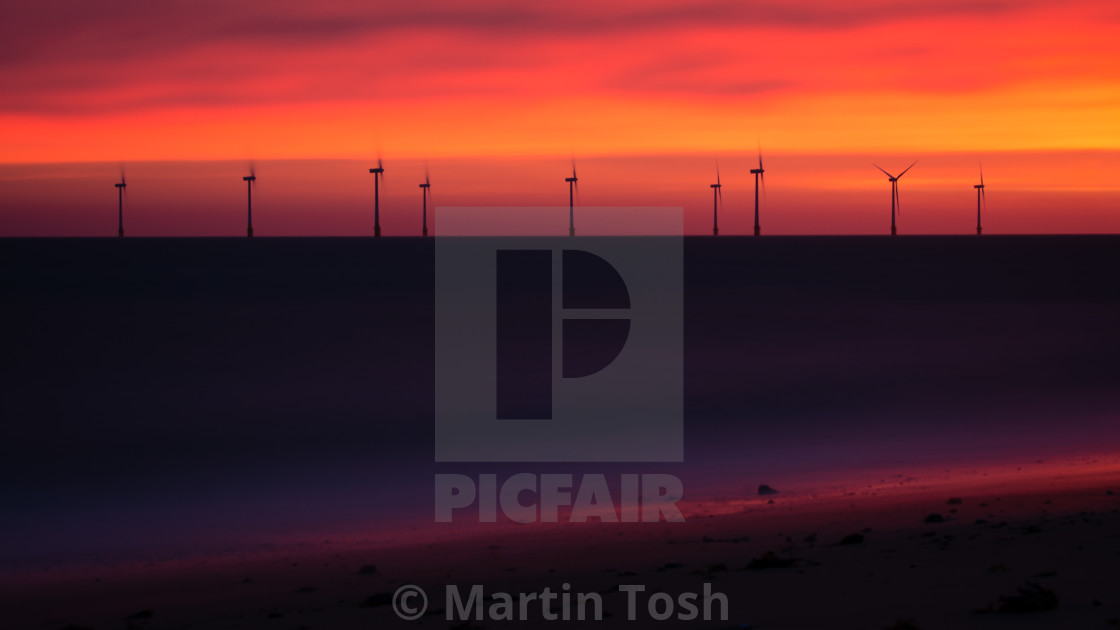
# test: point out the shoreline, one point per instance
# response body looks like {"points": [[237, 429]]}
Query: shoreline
{"points": [[1052, 523]]}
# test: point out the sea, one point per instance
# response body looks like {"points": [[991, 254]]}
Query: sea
{"points": [[161, 395]]}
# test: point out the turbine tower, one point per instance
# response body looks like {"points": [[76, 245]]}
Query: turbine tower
{"points": [[120, 205], [250, 181], [979, 195], [378, 175], [425, 186], [573, 186], [758, 177], [717, 197], [895, 204]]}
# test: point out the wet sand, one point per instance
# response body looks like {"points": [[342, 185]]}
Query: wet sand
{"points": [[1003, 526]]}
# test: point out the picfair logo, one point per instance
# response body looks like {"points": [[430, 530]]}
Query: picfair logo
{"points": [[553, 349], [524, 325]]}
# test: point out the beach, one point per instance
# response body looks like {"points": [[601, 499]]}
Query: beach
{"points": [[829, 555]]}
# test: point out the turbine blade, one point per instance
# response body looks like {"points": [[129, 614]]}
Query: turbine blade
{"points": [[981, 174], [881, 169], [897, 201], [907, 168], [717, 176], [984, 197], [720, 192]]}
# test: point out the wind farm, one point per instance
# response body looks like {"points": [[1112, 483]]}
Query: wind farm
{"points": [[731, 210]]}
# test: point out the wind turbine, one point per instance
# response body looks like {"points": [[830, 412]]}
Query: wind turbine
{"points": [[894, 194], [250, 181], [573, 186], [120, 205], [758, 177], [979, 195], [378, 175], [717, 197], [425, 186]]}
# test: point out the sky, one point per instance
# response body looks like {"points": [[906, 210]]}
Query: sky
{"points": [[496, 98]]}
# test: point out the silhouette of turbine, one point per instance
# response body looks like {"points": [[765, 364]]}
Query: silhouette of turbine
{"points": [[378, 175], [250, 181], [894, 194], [573, 186], [717, 198], [758, 177], [120, 205], [425, 186], [980, 195]]}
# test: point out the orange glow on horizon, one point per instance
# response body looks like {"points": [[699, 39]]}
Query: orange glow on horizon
{"points": [[506, 81], [804, 194]]}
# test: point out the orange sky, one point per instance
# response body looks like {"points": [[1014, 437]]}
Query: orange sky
{"points": [[833, 86]]}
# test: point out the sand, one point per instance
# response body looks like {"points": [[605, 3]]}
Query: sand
{"points": [[1003, 526]]}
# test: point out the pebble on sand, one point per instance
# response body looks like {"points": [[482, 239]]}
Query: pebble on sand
{"points": [[1030, 598], [771, 560]]}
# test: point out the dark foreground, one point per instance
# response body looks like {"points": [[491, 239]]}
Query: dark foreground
{"points": [[181, 398]]}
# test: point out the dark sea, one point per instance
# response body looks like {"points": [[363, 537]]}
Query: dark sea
{"points": [[179, 393]]}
